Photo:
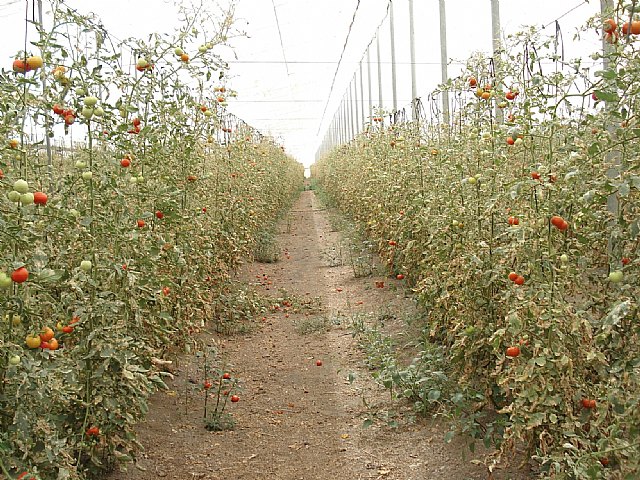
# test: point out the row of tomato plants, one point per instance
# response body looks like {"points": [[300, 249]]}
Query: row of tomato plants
{"points": [[520, 240], [113, 252]]}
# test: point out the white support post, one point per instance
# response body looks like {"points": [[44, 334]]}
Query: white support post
{"points": [[444, 59]]}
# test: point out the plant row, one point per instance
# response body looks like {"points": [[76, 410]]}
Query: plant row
{"points": [[520, 239]]}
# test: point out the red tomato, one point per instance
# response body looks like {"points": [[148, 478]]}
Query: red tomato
{"points": [[20, 275], [125, 162], [235, 398], [510, 141], [588, 403], [207, 385], [535, 175], [513, 221], [136, 122], [400, 276], [318, 363], [159, 214], [626, 260], [513, 352], [40, 198], [226, 375], [67, 329], [141, 223], [513, 276], [57, 109], [93, 431], [519, 280]]}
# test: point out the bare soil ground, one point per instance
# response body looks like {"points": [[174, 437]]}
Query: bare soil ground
{"points": [[296, 420]]}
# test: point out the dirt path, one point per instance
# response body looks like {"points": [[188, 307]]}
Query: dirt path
{"points": [[296, 420]]}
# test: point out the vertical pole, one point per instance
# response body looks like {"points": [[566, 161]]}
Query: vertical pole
{"points": [[47, 118], [613, 204], [352, 112], [354, 101], [394, 86], [379, 71], [412, 50], [497, 46], [443, 61], [362, 117], [369, 77]]}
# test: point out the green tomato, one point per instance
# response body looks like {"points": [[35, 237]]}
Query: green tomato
{"points": [[87, 175], [202, 48], [133, 180], [80, 164], [13, 196], [142, 63], [5, 280], [178, 51], [616, 276], [208, 113], [87, 112], [472, 180], [14, 360], [140, 179], [26, 198], [98, 111], [80, 91], [564, 258], [90, 101], [85, 265], [74, 212], [21, 186]]}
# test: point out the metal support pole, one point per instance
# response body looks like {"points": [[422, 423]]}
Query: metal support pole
{"points": [[369, 77], [394, 86], [412, 51], [379, 71], [362, 117], [47, 117], [355, 104], [444, 59], [497, 49], [352, 113]]}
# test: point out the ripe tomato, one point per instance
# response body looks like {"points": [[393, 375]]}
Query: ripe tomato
{"points": [[588, 403], [136, 122], [40, 198], [53, 344], [67, 329], [609, 25], [93, 431], [166, 291], [535, 175], [510, 95], [46, 334], [400, 276], [184, 57], [513, 352], [557, 221], [20, 275], [125, 163], [626, 260], [226, 376], [473, 82], [392, 243], [513, 276], [20, 66], [69, 119], [318, 363], [510, 141], [141, 223], [235, 398], [513, 221], [159, 214], [519, 280], [635, 28], [207, 385]]}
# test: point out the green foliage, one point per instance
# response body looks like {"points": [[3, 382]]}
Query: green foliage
{"points": [[436, 200], [160, 238]]}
